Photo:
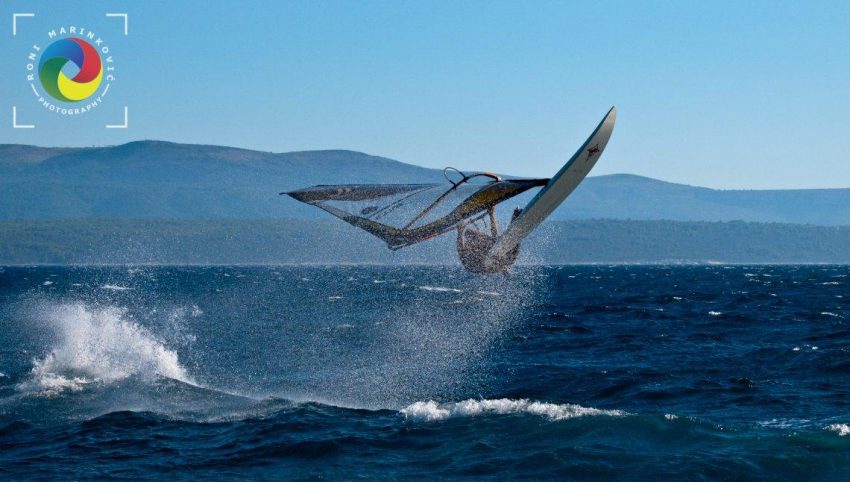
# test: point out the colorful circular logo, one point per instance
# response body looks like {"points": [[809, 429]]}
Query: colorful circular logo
{"points": [[54, 59]]}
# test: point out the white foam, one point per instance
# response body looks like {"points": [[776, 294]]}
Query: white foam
{"points": [[96, 345], [827, 313], [715, 313], [440, 289], [786, 423], [431, 410], [47, 283], [115, 287], [670, 416], [842, 429]]}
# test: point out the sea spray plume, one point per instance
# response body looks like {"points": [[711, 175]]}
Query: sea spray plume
{"points": [[408, 343], [98, 345]]}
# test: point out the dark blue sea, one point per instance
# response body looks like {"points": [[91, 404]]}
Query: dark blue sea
{"points": [[573, 372]]}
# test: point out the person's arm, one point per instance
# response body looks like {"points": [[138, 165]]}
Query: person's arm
{"points": [[494, 226]]}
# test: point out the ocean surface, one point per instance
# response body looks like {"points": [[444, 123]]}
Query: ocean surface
{"points": [[578, 372]]}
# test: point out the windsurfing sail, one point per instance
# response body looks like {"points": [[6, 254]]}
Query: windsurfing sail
{"points": [[406, 214]]}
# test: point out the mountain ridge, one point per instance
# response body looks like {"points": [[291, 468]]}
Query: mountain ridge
{"points": [[150, 179]]}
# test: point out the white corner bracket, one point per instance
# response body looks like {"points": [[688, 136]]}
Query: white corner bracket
{"points": [[15, 17], [15, 124], [126, 18], [120, 126]]}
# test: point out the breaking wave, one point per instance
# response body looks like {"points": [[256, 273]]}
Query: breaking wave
{"points": [[431, 410]]}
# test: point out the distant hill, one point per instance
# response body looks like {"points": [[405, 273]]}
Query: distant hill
{"points": [[162, 180]]}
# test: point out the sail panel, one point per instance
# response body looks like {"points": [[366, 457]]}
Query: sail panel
{"points": [[405, 214]]}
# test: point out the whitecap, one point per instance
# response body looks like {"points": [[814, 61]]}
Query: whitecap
{"points": [[842, 429], [715, 313], [440, 289], [829, 313], [47, 283], [431, 410], [670, 416], [115, 287]]}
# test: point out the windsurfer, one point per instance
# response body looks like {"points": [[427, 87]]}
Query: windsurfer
{"points": [[474, 245]]}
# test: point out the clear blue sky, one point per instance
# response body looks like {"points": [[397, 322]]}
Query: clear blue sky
{"points": [[719, 94]]}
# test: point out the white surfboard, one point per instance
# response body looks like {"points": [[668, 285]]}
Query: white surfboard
{"points": [[558, 188]]}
